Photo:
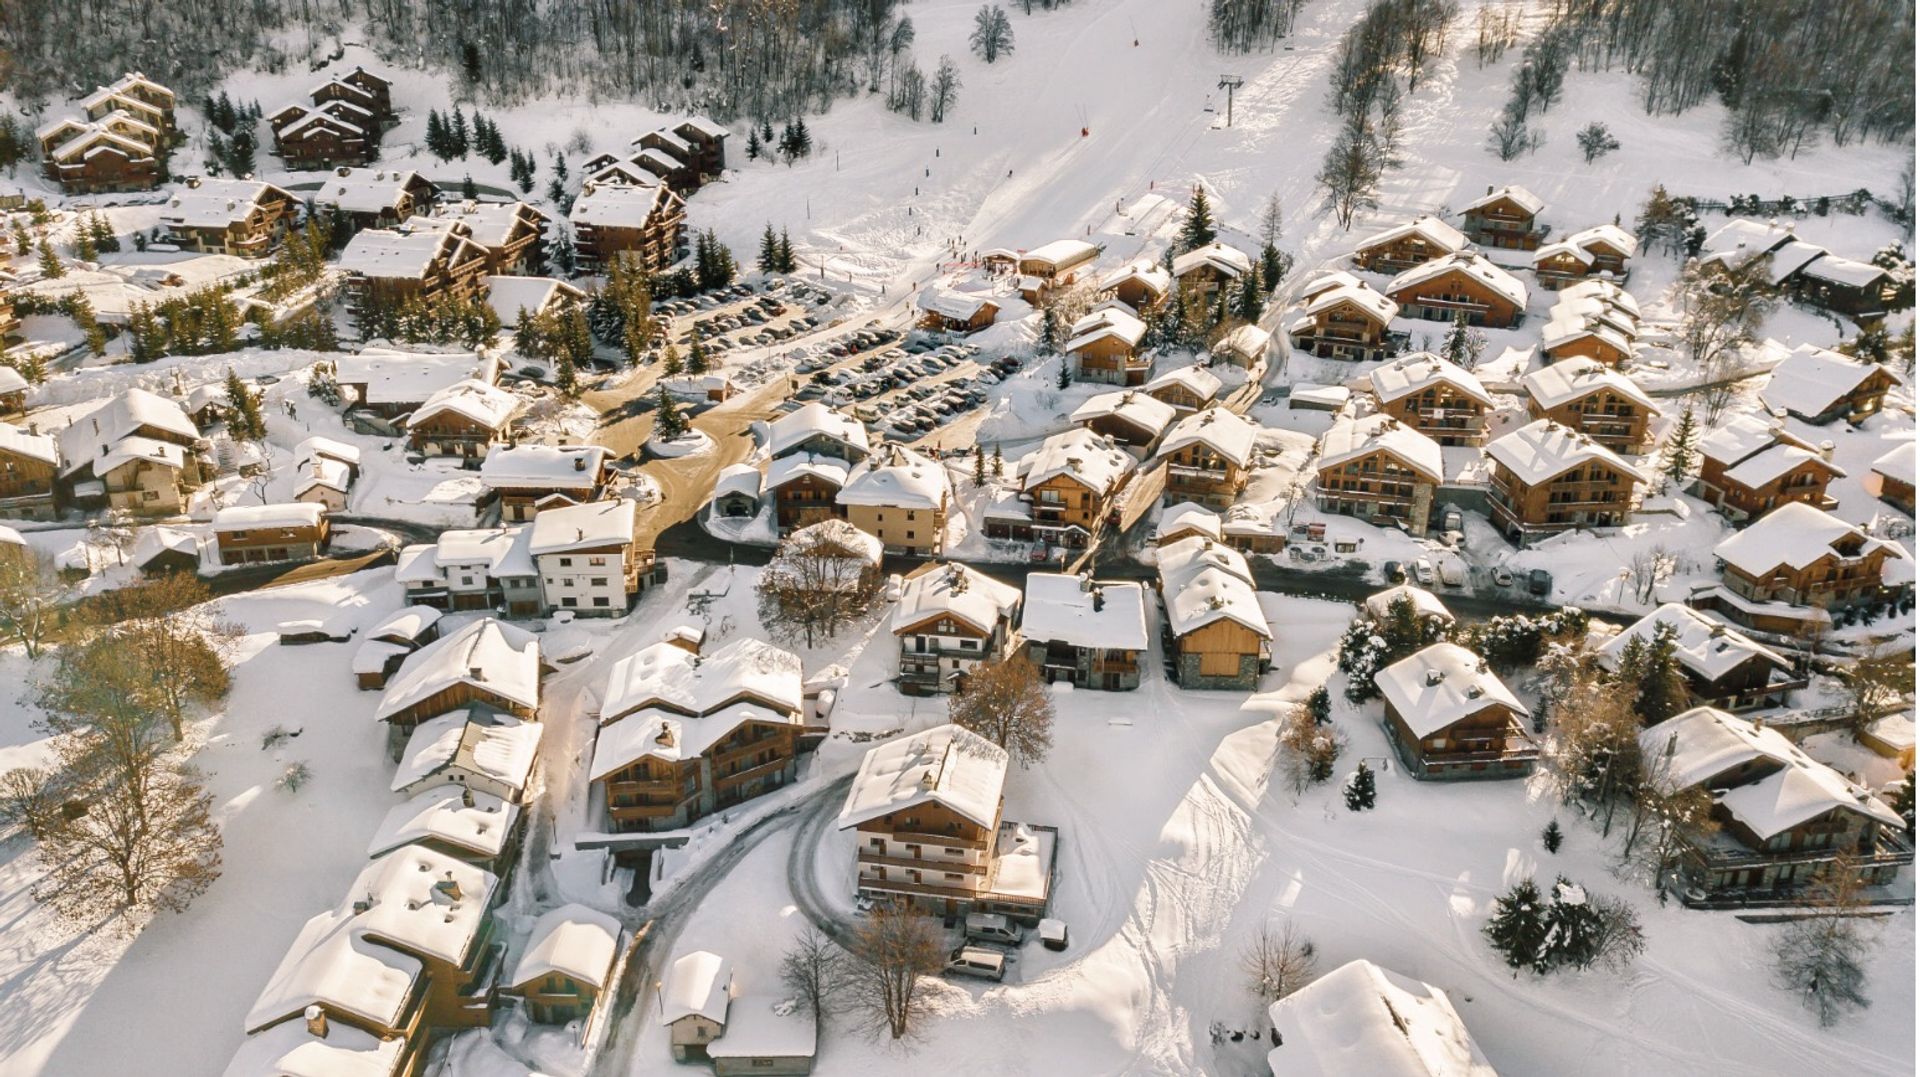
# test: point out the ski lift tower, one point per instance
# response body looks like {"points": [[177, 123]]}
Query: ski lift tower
{"points": [[1230, 83]]}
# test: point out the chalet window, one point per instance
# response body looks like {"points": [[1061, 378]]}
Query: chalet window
{"points": [[596, 562], [953, 852], [569, 601], [878, 845], [954, 875], [969, 644], [566, 562], [601, 600], [599, 581]]}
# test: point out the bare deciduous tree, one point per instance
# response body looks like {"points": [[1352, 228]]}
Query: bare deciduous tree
{"points": [[1822, 958], [822, 576], [817, 972], [1875, 682], [894, 949], [1307, 749], [31, 593], [164, 648], [1720, 312], [1277, 962], [1005, 702], [1648, 567]]}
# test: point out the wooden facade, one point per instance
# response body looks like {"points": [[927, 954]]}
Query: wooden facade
{"points": [[1804, 482], [1220, 654], [928, 855], [1344, 329], [1381, 488], [805, 499], [258, 545], [1198, 472], [1850, 574], [652, 241], [28, 485], [1609, 417], [1111, 360], [450, 433], [654, 793], [1454, 292], [1489, 743], [1442, 411], [460, 695], [1070, 507], [251, 231]]}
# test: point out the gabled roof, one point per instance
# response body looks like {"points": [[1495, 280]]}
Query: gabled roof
{"points": [[1202, 582], [1085, 456], [1104, 323], [405, 253], [1843, 271], [1332, 289], [368, 190], [737, 479], [93, 435], [1563, 329], [1798, 793], [1249, 340], [1520, 196], [1198, 380], [424, 903], [1062, 252], [582, 527], [1739, 436], [1220, 429], [1183, 517], [1149, 274], [17, 442], [954, 305], [477, 739], [1437, 686], [1813, 379], [1741, 240], [1224, 260], [1796, 535], [545, 467], [1499, 281], [1414, 373], [697, 983], [509, 295], [1774, 461], [953, 590], [1701, 744], [403, 379], [1897, 463], [407, 624], [785, 469], [1425, 603], [1134, 407], [1438, 234], [495, 657], [651, 732], [444, 814], [572, 940], [333, 963], [814, 419], [249, 517], [1363, 1019], [289, 1050], [834, 537], [1543, 449], [1060, 609], [1571, 379], [620, 205], [897, 477], [217, 203], [491, 224], [484, 404], [666, 675], [1607, 235], [1349, 439], [946, 765], [1705, 645]]}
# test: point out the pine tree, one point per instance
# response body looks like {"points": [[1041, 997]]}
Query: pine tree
{"points": [[671, 366], [240, 153], [22, 239], [1518, 928], [50, 266], [1049, 330], [566, 377], [769, 250], [1455, 348], [1551, 836], [562, 253], [83, 247], [696, 355], [80, 309], [669, 424], [244, 419], [1000, 465], [468, 190], [1198, 229], [457, 138], [786, 262], [1066, 371], [1320, 705], [437, 134], [979, 465], [560, 166], [1359, 791], [1252, 298], [766, 132], [1676, 459], [753, 145]]}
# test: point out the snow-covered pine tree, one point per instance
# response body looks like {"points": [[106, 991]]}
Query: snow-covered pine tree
{"points": [[979, 465], [1518, 928], [1000, 469], [1552, 836], [786, 262], [1359, 790], [753, 144], [1676, 458], [769, 251], [669, 423], [1199, 228]]}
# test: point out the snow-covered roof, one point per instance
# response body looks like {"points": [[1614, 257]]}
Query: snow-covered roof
{"points": [[1813, 379], [838, 535], [1090, 459], [1438, 234], [1249, 340], [1701, 744], [1499, 281], [407, 378], [946, 765], [785, 469], [1332, 289], [17, 442], [126, 450], [666, 675], [814, 419], [956, 591], [305, 121], [572, 940], [1439, 685], [1363, 1019], [1543, 449], [1704, 644], [1414, 373], [1797, 793], [366, 190], [1134, 407], [1198, 380], [954, 305], [1103, 323], [372, 656], [546, 467], [250, 517], [423, 902], [1739, 436], [404, 253], [1425, 603], [491, 224], [618, 205], [500, 658], [1349, 439], [1897, 464], [1151, 275], [326, 447], [1843, 271], [486, 405], [766, 1026], [1796, 535], [1202, 581], [661, 734], [91, 436], [1570, 379], [1562, 249], [1525, 199], [485, 742], [91, 137], [408, 623], [1220, 429], [1060, 609], [332, 963], [1606, 235], [11, 380], [1600, 291], [738, 479], [508, 296], [1187, 516], [1791, 258], [444, 814], [897, 477], [1224, 260], [1061, 252], [703, 125], [1774, 461], [1740, 240], [289, 1050], [697, 983], [123, 86], [154, 541], [502, 551], [217, 203], [1563, 329], [579, 527]]}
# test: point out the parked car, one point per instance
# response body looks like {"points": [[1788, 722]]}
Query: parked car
{"points": [[1423, 572], [1502, 578], [1394, 571], [1453, 572], [993, 927], [977, 961], [1540, 582]]}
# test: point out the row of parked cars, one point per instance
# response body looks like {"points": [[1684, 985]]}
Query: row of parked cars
{"points": [[990, 939]]}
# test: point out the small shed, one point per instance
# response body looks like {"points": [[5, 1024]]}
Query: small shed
{"points": [[694, 1001], [765, 1035]]}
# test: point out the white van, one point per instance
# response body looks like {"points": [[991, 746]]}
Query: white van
{"points": [[992, 927], [977, 961]]}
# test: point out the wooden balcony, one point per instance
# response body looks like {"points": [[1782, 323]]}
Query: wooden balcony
{"points": [[918, 864], [722, 782], [909, 837]]}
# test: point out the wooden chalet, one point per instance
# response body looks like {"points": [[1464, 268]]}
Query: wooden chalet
{"points": [[1186, 389], [336, 134], [1104, 346], [1587, 397], [29, 474], [485, 662], [1342, 317], [136, 452], [1845, 286], [803, 487], [567, 965], [1205, 270], [465, 419], [527, 479], [1891, 478], [1405, 246], [1053, 266], [1072, 483], [254, 534], [1818, 386], [1802, 556], [1506, 217], [392, 267], [1468, 285], [1141, 285], [1208, 456], [1086, 632], [512, 233], [1547, 478], [1751, 465], [708, 141], [949, 619], [645, 224], [1722, 667], [1601, 252], [114, 153], [138, 96], [944, 310], [1380, 470], [1126, 416], [1216, 634], [1439, 399], [239, 217], [364, 90], [1449, 717], [374, 198]]}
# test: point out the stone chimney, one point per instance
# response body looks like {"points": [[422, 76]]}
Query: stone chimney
{"points": [[316, 1022], [449, 886]]}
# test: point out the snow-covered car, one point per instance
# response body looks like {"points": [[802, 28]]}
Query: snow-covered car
{"points": [[1423, 573], [977, 961], [1502, 578]]}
